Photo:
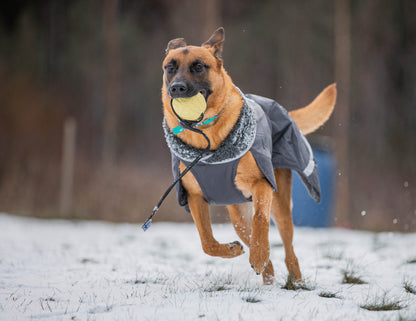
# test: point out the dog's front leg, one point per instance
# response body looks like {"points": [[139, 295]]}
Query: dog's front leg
{"points": [[200, 213], [241, 216], [250, 180], [259, 244]]}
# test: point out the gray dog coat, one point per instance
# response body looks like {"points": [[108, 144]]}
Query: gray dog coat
{"points": [[266, 130]]}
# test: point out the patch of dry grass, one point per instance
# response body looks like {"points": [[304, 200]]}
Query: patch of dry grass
{"points": [[383, 304], [409, 287], [329, 295], [292, 285], [351, 277]]}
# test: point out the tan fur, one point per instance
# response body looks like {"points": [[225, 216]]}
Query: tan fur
{"points": [[251, 221], [313, 116]]}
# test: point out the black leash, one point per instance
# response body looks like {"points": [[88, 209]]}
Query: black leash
{"points": [[186, 125]]}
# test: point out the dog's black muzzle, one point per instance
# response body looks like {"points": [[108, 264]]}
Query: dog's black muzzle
{"points": [[183, 89]]}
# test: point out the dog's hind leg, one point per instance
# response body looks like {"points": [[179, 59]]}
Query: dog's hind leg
{"points": [[241, 216], [282, 216], [200, 213]]}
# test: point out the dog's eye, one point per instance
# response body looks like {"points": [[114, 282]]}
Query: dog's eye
{"points": [[197, 68], [171, 68]]}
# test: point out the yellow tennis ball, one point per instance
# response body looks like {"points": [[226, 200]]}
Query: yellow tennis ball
{"points": [[190, 108]]}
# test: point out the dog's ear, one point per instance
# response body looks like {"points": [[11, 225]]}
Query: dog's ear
{"points": [[214, 43], [175, 43]]}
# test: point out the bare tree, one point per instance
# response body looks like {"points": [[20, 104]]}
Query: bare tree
{"points": [[342, 112], [113, 81]]}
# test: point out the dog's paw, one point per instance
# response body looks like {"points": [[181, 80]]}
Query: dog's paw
{"points": [[236, 245], [225, 250], [230, 250], [268, 274], [236, 248], [259, 257]]}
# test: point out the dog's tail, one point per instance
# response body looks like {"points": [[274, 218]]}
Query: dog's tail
{"points": [[313, 116]]}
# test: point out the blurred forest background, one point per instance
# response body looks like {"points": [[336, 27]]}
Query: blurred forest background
{"points": [[92, 69]]}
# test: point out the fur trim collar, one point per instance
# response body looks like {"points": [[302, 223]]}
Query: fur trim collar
{"points": [[237, 143]]}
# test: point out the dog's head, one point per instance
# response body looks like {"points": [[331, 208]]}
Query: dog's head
{"points": [[188, 70]]}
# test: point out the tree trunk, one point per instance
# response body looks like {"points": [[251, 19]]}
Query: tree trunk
{"points": [[342, 111], [113, 81]]}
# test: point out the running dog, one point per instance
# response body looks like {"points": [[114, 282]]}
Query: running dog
{"points": [[255, 143]]}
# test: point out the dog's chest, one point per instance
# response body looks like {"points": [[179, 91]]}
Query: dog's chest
{"points": [[218, 181]]}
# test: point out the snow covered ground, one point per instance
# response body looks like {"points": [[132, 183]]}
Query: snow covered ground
{"points": [[64, 270]]}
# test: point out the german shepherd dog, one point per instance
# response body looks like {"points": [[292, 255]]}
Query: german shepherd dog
{"points": [[192, 69]]}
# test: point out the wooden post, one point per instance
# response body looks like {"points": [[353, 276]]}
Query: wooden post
{"points": [[67, 171], [342, 69]]}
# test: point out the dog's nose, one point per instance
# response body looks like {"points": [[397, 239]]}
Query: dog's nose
{"points": [[177, 89]]}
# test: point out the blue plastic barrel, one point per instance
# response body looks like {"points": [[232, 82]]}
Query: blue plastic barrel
{"points": [[306, 212]]}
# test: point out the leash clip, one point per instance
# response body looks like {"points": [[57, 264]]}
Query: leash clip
{"points": [[148, 222]]}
